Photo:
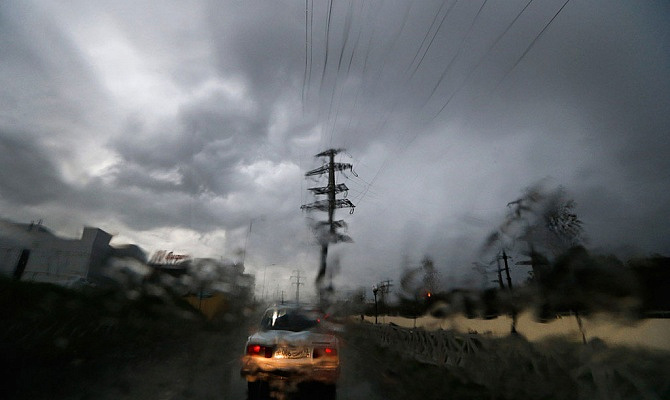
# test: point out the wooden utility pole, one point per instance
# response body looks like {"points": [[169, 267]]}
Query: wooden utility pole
{"points": [[328, 229]]}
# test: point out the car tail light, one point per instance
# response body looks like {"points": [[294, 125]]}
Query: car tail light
{"points": [[259, 350], [324, 352]]}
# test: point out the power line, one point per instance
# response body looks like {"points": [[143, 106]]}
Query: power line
{"points": [[530, 46], [345, 40], [311, 42], [425, 37], [325, 62], [461, 46], [304, 77], [385, 57], [444, 18], [482, 58]]}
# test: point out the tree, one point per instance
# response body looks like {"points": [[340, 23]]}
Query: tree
{"points": [[431, 278], [544, 218]]}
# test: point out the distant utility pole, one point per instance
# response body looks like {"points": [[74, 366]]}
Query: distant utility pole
{"points": [[375, 289], [509, 278], [328, 229], [295, 280], [503, 257], [500, 279], [383, 288]]}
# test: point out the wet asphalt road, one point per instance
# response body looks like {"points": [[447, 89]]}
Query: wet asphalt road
{"points": [[208, 367]]}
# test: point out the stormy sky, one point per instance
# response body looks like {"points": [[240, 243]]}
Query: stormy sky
{"points": [[178, 125]]}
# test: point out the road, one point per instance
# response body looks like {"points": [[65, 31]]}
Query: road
{"points": [[207, 367]]}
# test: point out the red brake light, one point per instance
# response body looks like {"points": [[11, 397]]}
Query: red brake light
{"points": [[325, 352], [258, 350]]}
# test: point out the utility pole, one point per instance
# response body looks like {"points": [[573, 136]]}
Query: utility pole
{"points": [[503, 257], [384, 288], [509, 278], [375, 289], [327, 230], [500, 279], [515, 314], [297, 284]]}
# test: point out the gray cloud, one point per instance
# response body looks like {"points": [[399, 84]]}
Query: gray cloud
{"points": [[188, 117], [37, 181]]}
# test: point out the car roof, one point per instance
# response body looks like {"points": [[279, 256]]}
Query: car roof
{"points": [[294, 308]]}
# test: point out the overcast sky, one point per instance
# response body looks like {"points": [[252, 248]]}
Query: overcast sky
{"points": [[178, 125]]}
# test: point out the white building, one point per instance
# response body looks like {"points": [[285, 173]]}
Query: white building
{"points": [[32, 252]]}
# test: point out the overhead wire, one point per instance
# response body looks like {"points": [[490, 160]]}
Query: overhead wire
{"points": [[325, 62], [359, 89], [394, 41], [387, 113], [420, 56], [351, 59], [385, 55], [461, 46], [311, 42], [345, 40], [358, 37], [444, 18], [400, 146], [304, 77], [389, 110], [532, 44], [483, 57], [425, 37]]}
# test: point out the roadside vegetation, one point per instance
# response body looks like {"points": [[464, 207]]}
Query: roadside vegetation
{"points": [[53, 338]]}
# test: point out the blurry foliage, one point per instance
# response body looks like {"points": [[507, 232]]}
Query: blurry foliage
{"points": [[575, 283], [580, 282], [542, 217], [50, 331], [653, 275], [417, 285]]}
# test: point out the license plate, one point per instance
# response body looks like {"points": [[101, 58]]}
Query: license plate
{"points": [[293, 352]]}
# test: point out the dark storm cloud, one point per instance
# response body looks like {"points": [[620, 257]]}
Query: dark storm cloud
{"points": [[203, 147], [44, 80], [257, 40], [27, 173]]}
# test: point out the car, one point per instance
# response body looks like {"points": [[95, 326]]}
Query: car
{"points": [[291, 347]]}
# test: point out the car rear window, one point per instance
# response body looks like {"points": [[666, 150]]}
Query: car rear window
{"points": [[287, 320]]}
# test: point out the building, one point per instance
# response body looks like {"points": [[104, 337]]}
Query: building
{"points": [[218, 286], [32, 252]]}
